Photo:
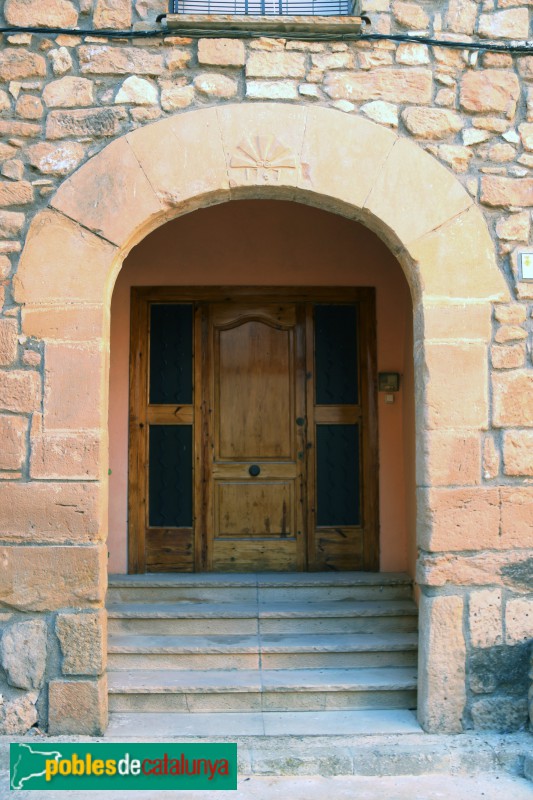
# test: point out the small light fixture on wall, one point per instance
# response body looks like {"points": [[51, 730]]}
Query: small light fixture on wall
{"points": [[389, 382]]}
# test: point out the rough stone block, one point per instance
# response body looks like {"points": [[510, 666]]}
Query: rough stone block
{"points": [[13, 437], [513, 399], [410, 15], [214, 85], [8, 341], [15, 193], [55, 159], [485, 91], [502, 714], [510, 24], [485, 618], [275, 65], [509, 357], [41, 13], [84, 122], [518, 620], [516, 516], [513, 314], [18, 715], [104, 60], [112, 14], [18, 64], [69, 92], [442, 691], [458, 519], [500, 191], [10, 223], [137, 91], [510, 333], [431, 123], [83, 640], [23, 653], [221, 52], [20, 391], [77, 707], [461, 16], [392, 85], [29, 107], [36, 578], [518, 453]]}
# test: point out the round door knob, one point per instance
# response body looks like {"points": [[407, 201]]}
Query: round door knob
{"points": [[254, 470]]}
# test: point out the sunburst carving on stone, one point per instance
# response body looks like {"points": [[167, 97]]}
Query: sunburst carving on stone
{"points": [[262, 157]]}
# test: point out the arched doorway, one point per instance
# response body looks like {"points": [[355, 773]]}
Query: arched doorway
{"points": [[315, 156]]}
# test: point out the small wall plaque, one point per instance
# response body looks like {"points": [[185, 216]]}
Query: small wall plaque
{"points": [[525, 266], [388, 381]]}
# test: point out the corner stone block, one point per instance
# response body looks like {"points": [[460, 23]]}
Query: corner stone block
{"points": [[53, 577], [111, 180], [51, 512], [455, 385], [458, 519], [77, 707], [72, 324], [453, 319], [511, 568], [358, 151], [62, 263], [479, 276], [75, 455], [74, 386], [83, 640], [197, 167], [485, 618], [407, 173], [448, 458], [442, 656]]}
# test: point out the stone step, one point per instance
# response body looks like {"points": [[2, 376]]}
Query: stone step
{"points": [[267, 690], [351, 722], [283, 651], [217, 588], [252, 618]]}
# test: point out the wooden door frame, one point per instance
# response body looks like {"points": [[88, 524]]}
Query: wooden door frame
{"points": [[141, 297]]}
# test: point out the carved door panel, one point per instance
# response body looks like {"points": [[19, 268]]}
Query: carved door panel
{"points": [[254, 504]]}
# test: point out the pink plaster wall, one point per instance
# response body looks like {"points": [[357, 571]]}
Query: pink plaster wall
{"points": [[276, 243]]}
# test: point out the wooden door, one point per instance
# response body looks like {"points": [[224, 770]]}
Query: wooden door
{"points": [[255, 466], [253, 430]]}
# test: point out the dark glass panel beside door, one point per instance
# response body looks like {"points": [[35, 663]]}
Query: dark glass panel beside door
{"points": [[338, 475], [170, 353], [336, 368], [170, 476]]}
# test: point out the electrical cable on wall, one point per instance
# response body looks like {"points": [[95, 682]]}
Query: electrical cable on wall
{"points": [[520, 48]]}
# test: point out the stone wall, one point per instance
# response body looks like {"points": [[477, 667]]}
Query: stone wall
{"points": [[64, 97]]}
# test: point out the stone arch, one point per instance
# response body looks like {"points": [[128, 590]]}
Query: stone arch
{"points": [[75, 248]]}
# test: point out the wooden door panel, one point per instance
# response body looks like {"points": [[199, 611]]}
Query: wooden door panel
{"points": [[254, 377], [256, 390], [255, 509]]}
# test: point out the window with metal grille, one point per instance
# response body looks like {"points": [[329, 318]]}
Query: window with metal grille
{"points": [[262, 8]]}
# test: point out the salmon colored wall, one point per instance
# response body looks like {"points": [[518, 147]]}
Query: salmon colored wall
{"points": [[276, 243]]}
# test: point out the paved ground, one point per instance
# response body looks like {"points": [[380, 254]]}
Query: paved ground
{"points": [[492, 786]]}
